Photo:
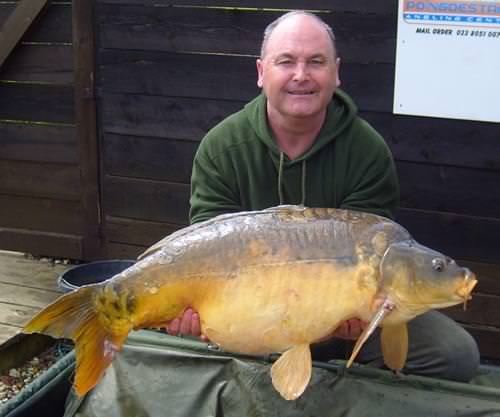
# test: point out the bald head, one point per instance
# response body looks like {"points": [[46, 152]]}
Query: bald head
{"points": [[290, 18]]}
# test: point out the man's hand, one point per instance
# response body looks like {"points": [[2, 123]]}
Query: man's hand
{"points": [[350, 329], [187, 324]]}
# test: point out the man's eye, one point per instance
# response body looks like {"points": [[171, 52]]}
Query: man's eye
{"points": [[317, 62]]}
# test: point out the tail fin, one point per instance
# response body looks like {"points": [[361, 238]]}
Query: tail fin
{"points": [[72, 316]]}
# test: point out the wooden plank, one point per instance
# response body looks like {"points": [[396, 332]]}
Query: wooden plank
{"points": [[439, 141], [16, 269], [40, 63], [410, 138], [180, 75], [449, 189], [361, 6], [7, 332], [29, 297], [43, 214], [54, 26], [153, 158], [146, 200], [182, 29], [34, 102], [15, 315], [175, 118], [59, 181], [136, 232], [458, 236], [83, 46], [482, 309], [225, 77], [17, 24], [38, 143], [122, 251], [360, 37], [41, 243], [488, 339], [370, 86], [488, 277], [191, 118]]}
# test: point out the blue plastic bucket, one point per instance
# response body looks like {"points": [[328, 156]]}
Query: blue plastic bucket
{"points": [[91, 273]]}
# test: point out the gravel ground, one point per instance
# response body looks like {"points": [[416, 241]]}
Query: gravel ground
{"points": [[14, 379]]}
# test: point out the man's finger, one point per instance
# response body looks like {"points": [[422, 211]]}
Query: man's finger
{"points": [[195, 324], [173, 326], [185, 327], [344, 329]]}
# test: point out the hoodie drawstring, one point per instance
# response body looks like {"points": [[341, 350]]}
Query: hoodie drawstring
{"points": [[280, 175], [303, 185], [280, 180]]}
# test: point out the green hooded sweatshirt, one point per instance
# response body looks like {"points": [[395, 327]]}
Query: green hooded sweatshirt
{"points": [[238, 166]]}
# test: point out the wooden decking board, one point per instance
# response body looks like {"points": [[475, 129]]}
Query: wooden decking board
{"points": [[7, 332], [26, 286], [16, 269], [15, 315], [26, 296]]}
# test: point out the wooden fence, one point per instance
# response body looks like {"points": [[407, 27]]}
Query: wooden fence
{"points": [[48, 194], [161, 73]]}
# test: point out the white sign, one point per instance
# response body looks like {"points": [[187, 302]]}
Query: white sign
{"points": [[448, 59]]}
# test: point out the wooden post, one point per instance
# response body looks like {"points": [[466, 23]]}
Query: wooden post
{"points": [[17, 24], [85, 108]]}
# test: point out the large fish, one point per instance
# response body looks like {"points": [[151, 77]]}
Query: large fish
{"points": [[265, 281]]}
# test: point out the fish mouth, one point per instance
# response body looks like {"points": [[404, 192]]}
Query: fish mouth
{"points": [[465, 289]]}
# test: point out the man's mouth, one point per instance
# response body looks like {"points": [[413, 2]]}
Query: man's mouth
{"points": [[301, 93]]}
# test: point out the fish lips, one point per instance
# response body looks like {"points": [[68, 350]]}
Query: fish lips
{"points": [[465, 288]]}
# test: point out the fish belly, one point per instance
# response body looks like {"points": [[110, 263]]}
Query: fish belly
{"points": [[270, 308]]}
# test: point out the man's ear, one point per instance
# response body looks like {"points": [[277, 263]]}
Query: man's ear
{"points": [[260, 71], [337, 72]]}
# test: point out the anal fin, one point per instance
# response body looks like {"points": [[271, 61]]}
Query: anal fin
{"points": [[292, 371], [394, 341], [95, 349]]}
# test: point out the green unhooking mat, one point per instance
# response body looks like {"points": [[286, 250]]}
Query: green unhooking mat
{"points": [[159, 375]]}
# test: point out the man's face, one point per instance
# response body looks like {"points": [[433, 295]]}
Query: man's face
{"points": [[299, 70]]}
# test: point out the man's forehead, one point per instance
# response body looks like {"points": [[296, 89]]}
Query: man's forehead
{"points": [[291, 49], [300, 31]]}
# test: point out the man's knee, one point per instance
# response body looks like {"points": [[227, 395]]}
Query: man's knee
{"points": [[440, 347], [460, 359]]}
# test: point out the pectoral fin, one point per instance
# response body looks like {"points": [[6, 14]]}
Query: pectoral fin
{"points": [[394, 340], [386, 307], [292, 371]]}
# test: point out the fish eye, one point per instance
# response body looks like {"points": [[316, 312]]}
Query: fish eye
{"points": [[438, 264]]}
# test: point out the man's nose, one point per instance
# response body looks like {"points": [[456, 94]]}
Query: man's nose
{"points": [[301, 72]]}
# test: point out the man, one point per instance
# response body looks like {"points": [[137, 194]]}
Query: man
{"points": [[301, 142]]}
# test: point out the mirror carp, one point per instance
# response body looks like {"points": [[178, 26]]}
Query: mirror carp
{"points": [[275, 280]]}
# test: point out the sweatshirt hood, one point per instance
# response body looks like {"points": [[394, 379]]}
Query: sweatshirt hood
{"points": [[340, 113]]}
